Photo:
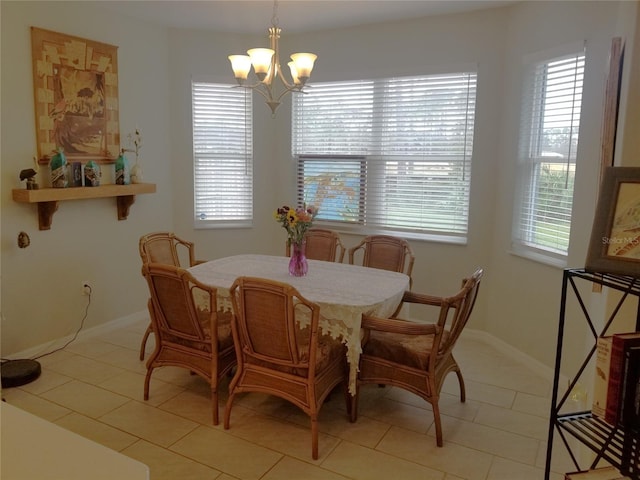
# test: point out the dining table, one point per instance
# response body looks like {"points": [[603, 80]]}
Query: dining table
{"points": [[344, 292]]}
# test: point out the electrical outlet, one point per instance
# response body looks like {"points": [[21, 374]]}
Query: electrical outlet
{"points": [[86, 288]]}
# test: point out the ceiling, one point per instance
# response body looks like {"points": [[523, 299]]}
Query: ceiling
{"points": [[254, 16]]}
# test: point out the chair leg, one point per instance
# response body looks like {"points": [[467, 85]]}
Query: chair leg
{"points": [[352, 403], [463, 394], [350, 400], [144, 341], [227, 410], [147, 379], [436, 418], [214, 401], [314, 437], [232, 396], [354, 409]]}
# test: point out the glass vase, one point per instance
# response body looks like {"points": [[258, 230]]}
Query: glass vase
{"points": [[136, 173], [58, 166], [122, 170], [298, 265]]}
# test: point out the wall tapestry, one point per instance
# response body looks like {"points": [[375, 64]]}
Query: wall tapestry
{"points": [[75, 84]]}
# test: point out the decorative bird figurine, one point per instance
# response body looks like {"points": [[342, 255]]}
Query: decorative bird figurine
{"points": [[29, 174]]}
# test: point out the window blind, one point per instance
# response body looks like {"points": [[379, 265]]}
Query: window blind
{"points": [[550, 124], [223, 155], [388, 154]]}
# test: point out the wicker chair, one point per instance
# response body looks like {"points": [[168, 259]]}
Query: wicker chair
{"points": [[385, 252], [418, 356], [186, 336], [276, 356], [322, 244], [166, 248]]}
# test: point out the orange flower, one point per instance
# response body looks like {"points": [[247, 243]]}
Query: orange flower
{"points": [[296, 221]]}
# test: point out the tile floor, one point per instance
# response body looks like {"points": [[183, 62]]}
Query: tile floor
{"points": [[94, 387]]}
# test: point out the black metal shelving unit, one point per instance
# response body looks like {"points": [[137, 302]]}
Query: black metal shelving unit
{"points": [[616, 445]]}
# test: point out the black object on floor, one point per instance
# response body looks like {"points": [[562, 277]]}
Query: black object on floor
{"points": [[19, 372]]}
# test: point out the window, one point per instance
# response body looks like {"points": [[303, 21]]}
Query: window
{"points": [[388, 155], [547, 156], [223, 155]]}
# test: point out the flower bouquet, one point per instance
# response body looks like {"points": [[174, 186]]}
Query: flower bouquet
{"points": [[296, 221]]}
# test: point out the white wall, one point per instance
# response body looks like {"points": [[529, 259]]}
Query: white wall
{"points": [[427, 45], [524, 296], [41, 288], [519, 299], [203, 55], [629, 143]]}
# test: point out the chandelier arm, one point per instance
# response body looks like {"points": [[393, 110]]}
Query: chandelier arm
{"points": [[273, 71], [257, 87], [267, 92], [289, 86], [288, 90], [264, 91], [253, 86], [274, 35], [266, 87]]}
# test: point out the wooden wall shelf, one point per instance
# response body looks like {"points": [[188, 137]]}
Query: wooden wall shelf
{"points": [[48, 198]]}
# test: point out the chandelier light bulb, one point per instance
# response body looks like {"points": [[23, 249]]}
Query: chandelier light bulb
{"points": [[272, 84], [261, 60], [304, 64], [241, 64], [294, 73]]}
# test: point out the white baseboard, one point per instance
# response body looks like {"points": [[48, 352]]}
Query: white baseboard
{"points": [[510, 351], [82, 335]]}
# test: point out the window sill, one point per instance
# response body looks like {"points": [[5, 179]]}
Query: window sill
{"points": [[200, 225], [560, 263], [419, 237]]}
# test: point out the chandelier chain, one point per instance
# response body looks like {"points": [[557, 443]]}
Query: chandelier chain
{"points": [[274, 18], [266, 65]]}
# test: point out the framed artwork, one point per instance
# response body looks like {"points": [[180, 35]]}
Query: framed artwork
{"points": [[75, 84], [615, 237]]}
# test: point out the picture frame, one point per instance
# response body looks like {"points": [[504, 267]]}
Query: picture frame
{"points": [[614, 246], [75, 83]]}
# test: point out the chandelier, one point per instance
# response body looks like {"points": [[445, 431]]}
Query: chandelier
{"points": [[266, 66]]}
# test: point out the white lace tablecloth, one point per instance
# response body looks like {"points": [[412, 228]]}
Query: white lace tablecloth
{"points": [[344, 292]]}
